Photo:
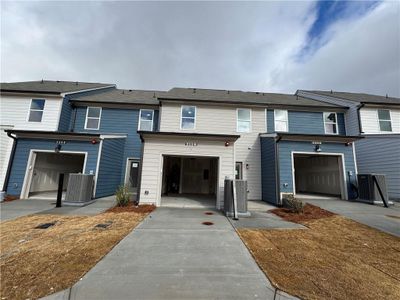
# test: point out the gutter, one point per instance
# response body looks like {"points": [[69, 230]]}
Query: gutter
{"points": [[10, 161], [359, 117]]}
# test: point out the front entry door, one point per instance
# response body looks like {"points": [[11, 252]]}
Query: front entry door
{"points": [[132, 181]]}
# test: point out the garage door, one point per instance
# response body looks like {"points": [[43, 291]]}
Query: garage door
{"points": [[318, 174]]}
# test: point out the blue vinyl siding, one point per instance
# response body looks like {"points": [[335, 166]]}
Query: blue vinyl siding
{"points": [[22, 155], [305, 122], [285, 149], [111, 161], [268, 170]]}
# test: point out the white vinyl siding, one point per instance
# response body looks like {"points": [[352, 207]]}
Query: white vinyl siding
{"points": [[243, 120], [281, 120], [330, 123], [188, 117], [93, 116], [385, 121], [371, 123], [146, 119], [36, 110]]}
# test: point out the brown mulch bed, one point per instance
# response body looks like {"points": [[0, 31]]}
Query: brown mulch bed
{"points": [[38, 262], [9, 198], [310, 212], [335, 258], [145, 208]]}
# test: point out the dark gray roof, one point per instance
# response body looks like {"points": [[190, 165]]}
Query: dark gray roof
{"points": [[50, 86], [359, 97], [121, 96], [240, 97]]}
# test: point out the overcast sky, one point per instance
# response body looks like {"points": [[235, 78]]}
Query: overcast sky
{"points": [[257, 46]]}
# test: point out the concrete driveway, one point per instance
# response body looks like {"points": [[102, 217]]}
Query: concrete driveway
{"points": [[379, 217], [172, 255]]}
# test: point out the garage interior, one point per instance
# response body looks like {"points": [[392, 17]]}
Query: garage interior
{"points": [[318, 175], [46, 171], [189, 181]]}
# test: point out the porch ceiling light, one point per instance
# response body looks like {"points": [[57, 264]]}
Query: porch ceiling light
{"points": [[227, 144], [317, 148]]}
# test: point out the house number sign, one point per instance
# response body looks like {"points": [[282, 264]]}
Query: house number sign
{"points": [[191, 144], [61, 142]]}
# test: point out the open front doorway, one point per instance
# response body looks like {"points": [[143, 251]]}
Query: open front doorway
{"points": [[189, 181], [132, 176], [319, 175]]}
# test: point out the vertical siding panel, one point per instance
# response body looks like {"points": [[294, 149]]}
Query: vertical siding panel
{"points": [[268, 167]]}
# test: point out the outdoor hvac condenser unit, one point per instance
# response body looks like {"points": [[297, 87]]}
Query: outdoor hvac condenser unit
{"points": [[241, 197], [79, 190], [372, 188]]}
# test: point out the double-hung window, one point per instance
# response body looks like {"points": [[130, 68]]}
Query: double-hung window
{"points": [[281, 120], [188, 117], [243, 120], [146, 119], [385, 122], [93, 115], [330, 123], [36, 110]]}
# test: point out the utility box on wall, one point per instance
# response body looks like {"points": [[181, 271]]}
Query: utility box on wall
{"points": [[79, 190]]}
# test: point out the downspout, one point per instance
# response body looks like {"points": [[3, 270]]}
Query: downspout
{"points": [[277, 172], [359, 117], [10, 161]]}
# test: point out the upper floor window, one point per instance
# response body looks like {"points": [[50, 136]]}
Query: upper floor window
{"points": [[36, 110], [385, 122], [93, 115], [330, 123], [188, 117], [243, 120], [281, 120], [146, 119]]}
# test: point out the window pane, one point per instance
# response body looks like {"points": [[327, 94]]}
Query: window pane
{"points": [[188, 111], [35, 116], [146, 125], [330, 128], [243, 126], [146, 115], [92, 123], [330, 117], [280, 115], [280, 126], [244, 114], [37, 104], [187, 123], [385, 125], [94, 112], [383, 114]]}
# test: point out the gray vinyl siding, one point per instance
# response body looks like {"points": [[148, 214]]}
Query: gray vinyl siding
{"points": [[268, 170], [306, 122], [111, 161], [351, 116], [381, 155], [285, 149]]}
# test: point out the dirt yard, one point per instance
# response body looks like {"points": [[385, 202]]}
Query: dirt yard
{"points": [[335, 258], [38, 262]]}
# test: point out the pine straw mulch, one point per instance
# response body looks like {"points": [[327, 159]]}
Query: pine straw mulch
{"points": [[310, 212], [145, 208], [335, 258], [38, 262]]}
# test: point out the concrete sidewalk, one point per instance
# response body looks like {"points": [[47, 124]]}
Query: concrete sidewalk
{"points": [[172, 255]]}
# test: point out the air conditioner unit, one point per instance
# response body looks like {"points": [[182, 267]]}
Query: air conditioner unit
{"points": [[372, 188]]}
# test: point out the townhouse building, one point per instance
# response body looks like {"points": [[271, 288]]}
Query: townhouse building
{"points": [[377, 119]]}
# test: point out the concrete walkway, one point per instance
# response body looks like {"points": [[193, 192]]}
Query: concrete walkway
{"points": [[172, 255]]}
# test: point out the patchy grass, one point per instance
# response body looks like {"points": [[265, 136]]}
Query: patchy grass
{"points": [[335, 258], [310, 212], [38, 262]]}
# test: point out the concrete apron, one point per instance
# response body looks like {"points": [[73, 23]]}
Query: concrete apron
{"points": [[172, 255]]}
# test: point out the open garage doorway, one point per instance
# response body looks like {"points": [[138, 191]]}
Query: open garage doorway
{"points": [[189, 181], [318, 175], [42, 178]]}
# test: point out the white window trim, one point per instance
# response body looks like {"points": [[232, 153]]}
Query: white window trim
{"points": [[337, 125], [195, 117], [140, 119], [379, 123], [86, 119], [237, 120], [29, 110], [287, 120]]}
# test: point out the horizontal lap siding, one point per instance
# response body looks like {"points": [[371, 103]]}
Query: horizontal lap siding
{"points": [[109, 177], [370, 122], [268, 168], [22, 155], [151, 178], [285, 149], [381, 155]]}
